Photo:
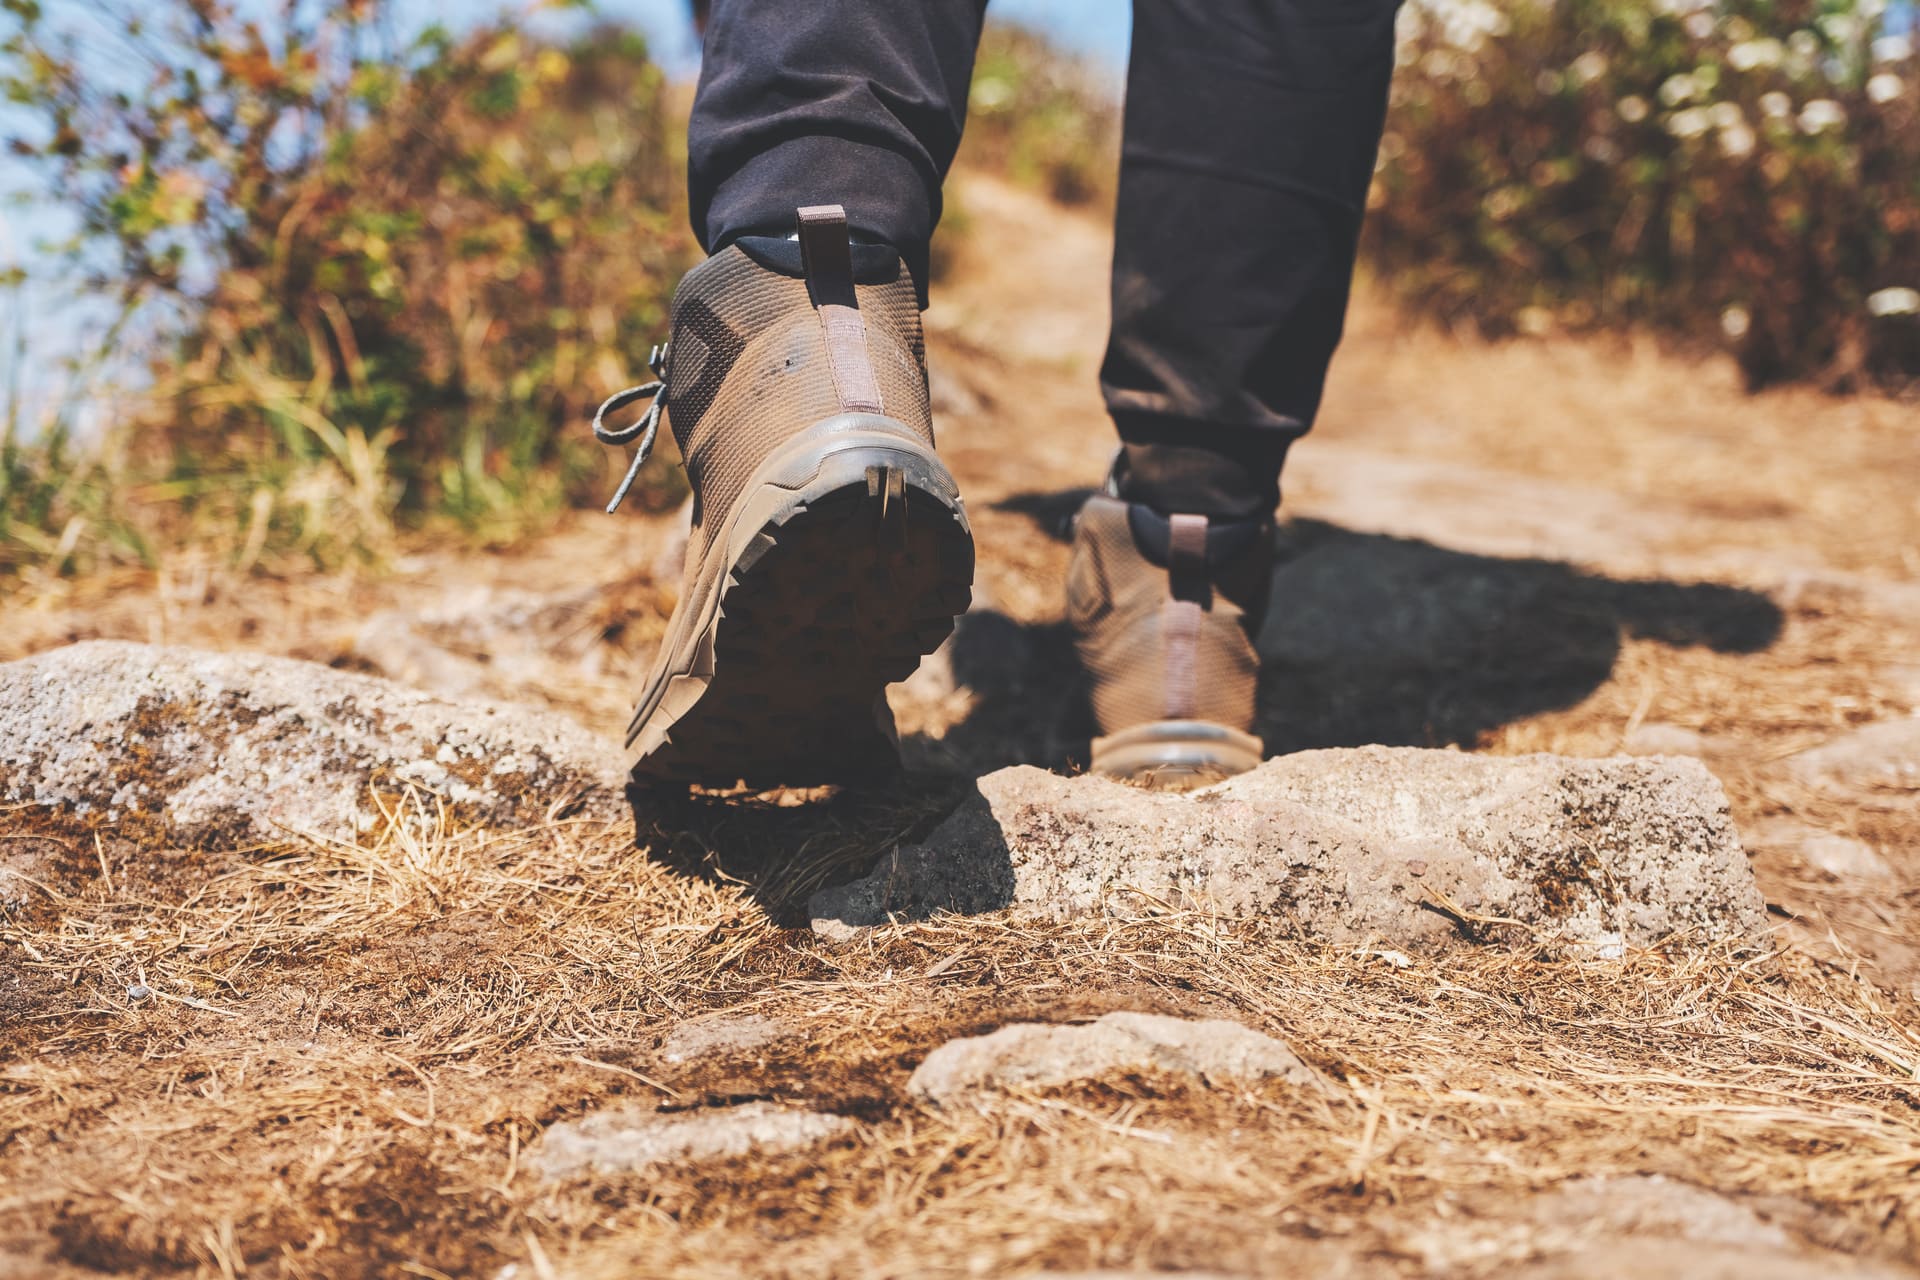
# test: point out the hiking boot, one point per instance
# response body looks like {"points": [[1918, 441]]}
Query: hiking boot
{"points": [[1164, 610], [829, 550]]}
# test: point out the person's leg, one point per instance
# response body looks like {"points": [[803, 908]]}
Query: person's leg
{"points": [[850, 102], [1250, 137], [1251, 130]]}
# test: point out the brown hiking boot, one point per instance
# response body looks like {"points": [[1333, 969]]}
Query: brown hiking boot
{"points": [[1164, 610], [830, 550]]}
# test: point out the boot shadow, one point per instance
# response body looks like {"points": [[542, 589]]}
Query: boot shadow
{"points": [[1371, 639]]}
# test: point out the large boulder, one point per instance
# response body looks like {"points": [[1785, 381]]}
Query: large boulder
{"points": [[1399, 846], [227, 746]]}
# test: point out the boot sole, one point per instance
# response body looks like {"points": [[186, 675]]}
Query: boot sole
{"points": [[847, 560], [1176, 755]]}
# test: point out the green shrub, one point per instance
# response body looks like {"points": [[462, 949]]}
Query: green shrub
{"points": [[1042, 118], [382, 288], [1744, 173]]}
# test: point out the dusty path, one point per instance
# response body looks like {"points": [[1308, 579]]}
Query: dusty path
{"points": [[1577, 547], [1581, 547]]}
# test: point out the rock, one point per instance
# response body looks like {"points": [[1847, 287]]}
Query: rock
{"points": [[1672, 1229], [1690, 1260], [1040, 1055], [1665, 740], [222, 746], [722, 1033], [1650, 1205], [479, 641], [1396, 846], [1840, 856], [629, 1139], [1882, 755]]}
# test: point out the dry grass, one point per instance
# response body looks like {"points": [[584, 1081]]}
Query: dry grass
{"points": [[349, 1051], [347, 1047]]}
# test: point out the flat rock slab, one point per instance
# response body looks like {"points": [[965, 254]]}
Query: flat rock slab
{"points": [[629, 1140], [1393, 845], [1040, 1055], [227, 746]]}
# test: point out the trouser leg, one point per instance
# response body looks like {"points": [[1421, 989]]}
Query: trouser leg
{"points": [[1251, 130], [850, 102]]}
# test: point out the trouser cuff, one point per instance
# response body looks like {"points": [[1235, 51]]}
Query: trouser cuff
{"points": [[886, 196], [1226, 473]]}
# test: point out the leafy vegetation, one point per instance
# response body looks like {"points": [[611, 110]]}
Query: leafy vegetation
{"points": [[1044, 119], [1736, 172], [382, 286]]}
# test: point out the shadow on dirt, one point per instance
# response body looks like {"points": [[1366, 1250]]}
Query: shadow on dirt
{"points": [[783, 846], [1371, 639]]}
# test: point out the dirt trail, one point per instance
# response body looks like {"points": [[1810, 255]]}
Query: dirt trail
{"points": [[1582, 547]]}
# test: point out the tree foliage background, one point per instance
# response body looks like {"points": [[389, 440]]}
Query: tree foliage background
{"points": [[383, 283], [1737, 173], [374, 286]]}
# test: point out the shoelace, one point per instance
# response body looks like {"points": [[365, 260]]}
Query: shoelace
{"points": [[645, 429]]}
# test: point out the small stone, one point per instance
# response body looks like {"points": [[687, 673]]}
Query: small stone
{"points": [[1664, 740], [139, 992], [1646, 1226], [1839, 856], [721, 1033], [628, 1139], [1040, 1055], [1885, 754]]}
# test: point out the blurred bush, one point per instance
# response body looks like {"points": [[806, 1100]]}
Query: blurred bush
{"points": [[1043, 118], [380, 286], [1742, 172]]}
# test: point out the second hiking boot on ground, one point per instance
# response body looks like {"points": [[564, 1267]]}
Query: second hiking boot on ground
{"points": [[1164, 609]]}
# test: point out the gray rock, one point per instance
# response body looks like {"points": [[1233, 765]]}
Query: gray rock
{"points": [[1882, 755], [1840, 856], [237, 746], [1399, 846], [626, 1140], [1583, 1227], [722, 1033], [1040, 1055], [1693, 1260]]}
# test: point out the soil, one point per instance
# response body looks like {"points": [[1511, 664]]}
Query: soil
{"points": [[310, 1060]]}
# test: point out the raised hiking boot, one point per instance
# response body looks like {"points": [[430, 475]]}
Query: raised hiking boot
{"points": [[829, 550], [1164, 610]]}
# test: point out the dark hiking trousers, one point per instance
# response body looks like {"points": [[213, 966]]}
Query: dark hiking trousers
{"points": [[1251, 129]]}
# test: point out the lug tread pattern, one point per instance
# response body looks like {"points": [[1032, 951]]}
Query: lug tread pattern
{"points": [[830, 602]]}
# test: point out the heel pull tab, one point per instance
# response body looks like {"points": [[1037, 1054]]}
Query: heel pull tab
{"points": [[827, 256], [1187, 576], [1188, 596]]}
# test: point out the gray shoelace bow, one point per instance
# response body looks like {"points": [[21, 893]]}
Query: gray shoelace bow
{"points": [[645, 429]]}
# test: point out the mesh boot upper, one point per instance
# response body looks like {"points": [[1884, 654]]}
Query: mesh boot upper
{"points": [[747, 369], [1149, 656]]}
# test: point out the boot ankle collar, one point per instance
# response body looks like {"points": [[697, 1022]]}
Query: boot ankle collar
{"points": [[872, 263], [1211, 543]]}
